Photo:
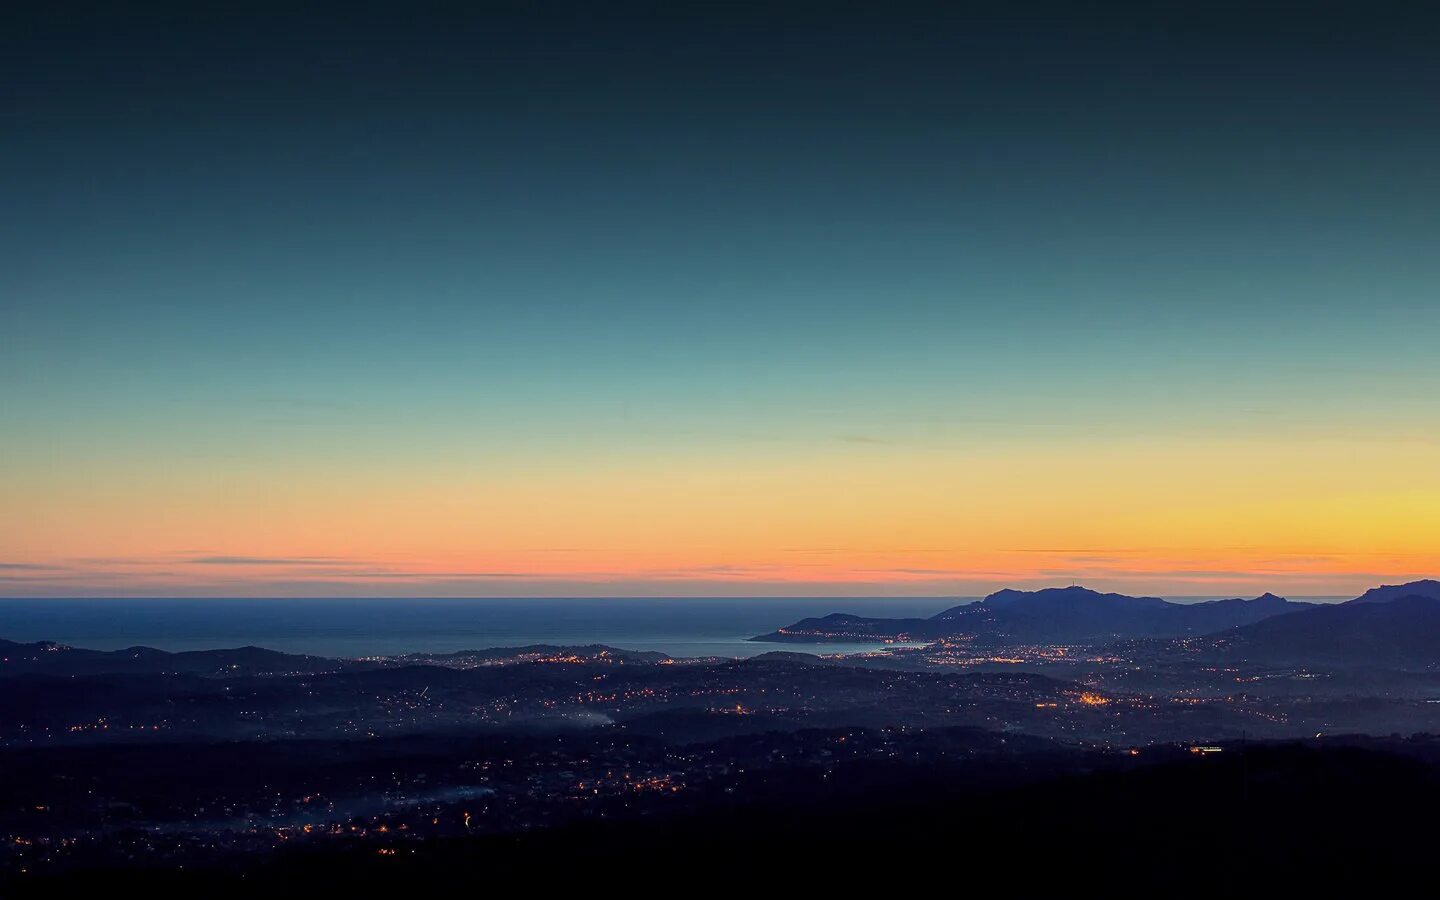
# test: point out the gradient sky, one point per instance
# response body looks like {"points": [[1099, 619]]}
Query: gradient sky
{"points": [[619, 299]]}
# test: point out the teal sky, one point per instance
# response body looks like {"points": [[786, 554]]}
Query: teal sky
{"points": [[446, 242]]}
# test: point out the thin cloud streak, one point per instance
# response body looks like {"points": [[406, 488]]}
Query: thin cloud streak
{"points": [[267, 561]]}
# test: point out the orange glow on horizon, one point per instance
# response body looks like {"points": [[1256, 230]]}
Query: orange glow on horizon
{"points": [[1160, 517]]}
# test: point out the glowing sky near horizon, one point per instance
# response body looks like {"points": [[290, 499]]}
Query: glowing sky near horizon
{"points": [[742, 303]]}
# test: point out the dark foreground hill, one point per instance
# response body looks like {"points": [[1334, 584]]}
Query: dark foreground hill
{"points": [[1274, 819]]}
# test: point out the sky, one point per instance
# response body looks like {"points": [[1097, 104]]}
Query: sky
{"points": [[522, 299]]}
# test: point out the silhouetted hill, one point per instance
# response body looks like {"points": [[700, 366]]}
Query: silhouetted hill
{"points": [[1387, 592], [50, 658], [597, 653], [784, 656], [1057, 600], [1077, 613], [1403, 633], [847, 627], [1053, 614]]}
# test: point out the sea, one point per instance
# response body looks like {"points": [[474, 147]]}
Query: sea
{"points": [[350, 628]]}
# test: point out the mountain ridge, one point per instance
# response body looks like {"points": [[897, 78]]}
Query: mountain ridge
{"points": [[1425, 587], [1072, 613], [1403, 632]]}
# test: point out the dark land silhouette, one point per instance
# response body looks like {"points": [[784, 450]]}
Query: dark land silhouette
{"points": [[1293, 745]]}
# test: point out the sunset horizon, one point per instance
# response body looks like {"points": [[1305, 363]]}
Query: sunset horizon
{"points": [[645, 446], [701, 302]]}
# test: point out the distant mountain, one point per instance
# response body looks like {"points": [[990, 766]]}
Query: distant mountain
{"points": [[1400, 633], [1080, 614], [1060, 600], [587, 653], [839, 627], [50, 658], [1053, 614], [1387, 592], [789, 658]]}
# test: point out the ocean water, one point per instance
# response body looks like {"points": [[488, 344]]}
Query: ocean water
{"points": [[351, 628]]}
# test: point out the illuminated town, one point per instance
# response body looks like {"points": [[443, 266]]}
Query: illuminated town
{"points": [[264, 750]]}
